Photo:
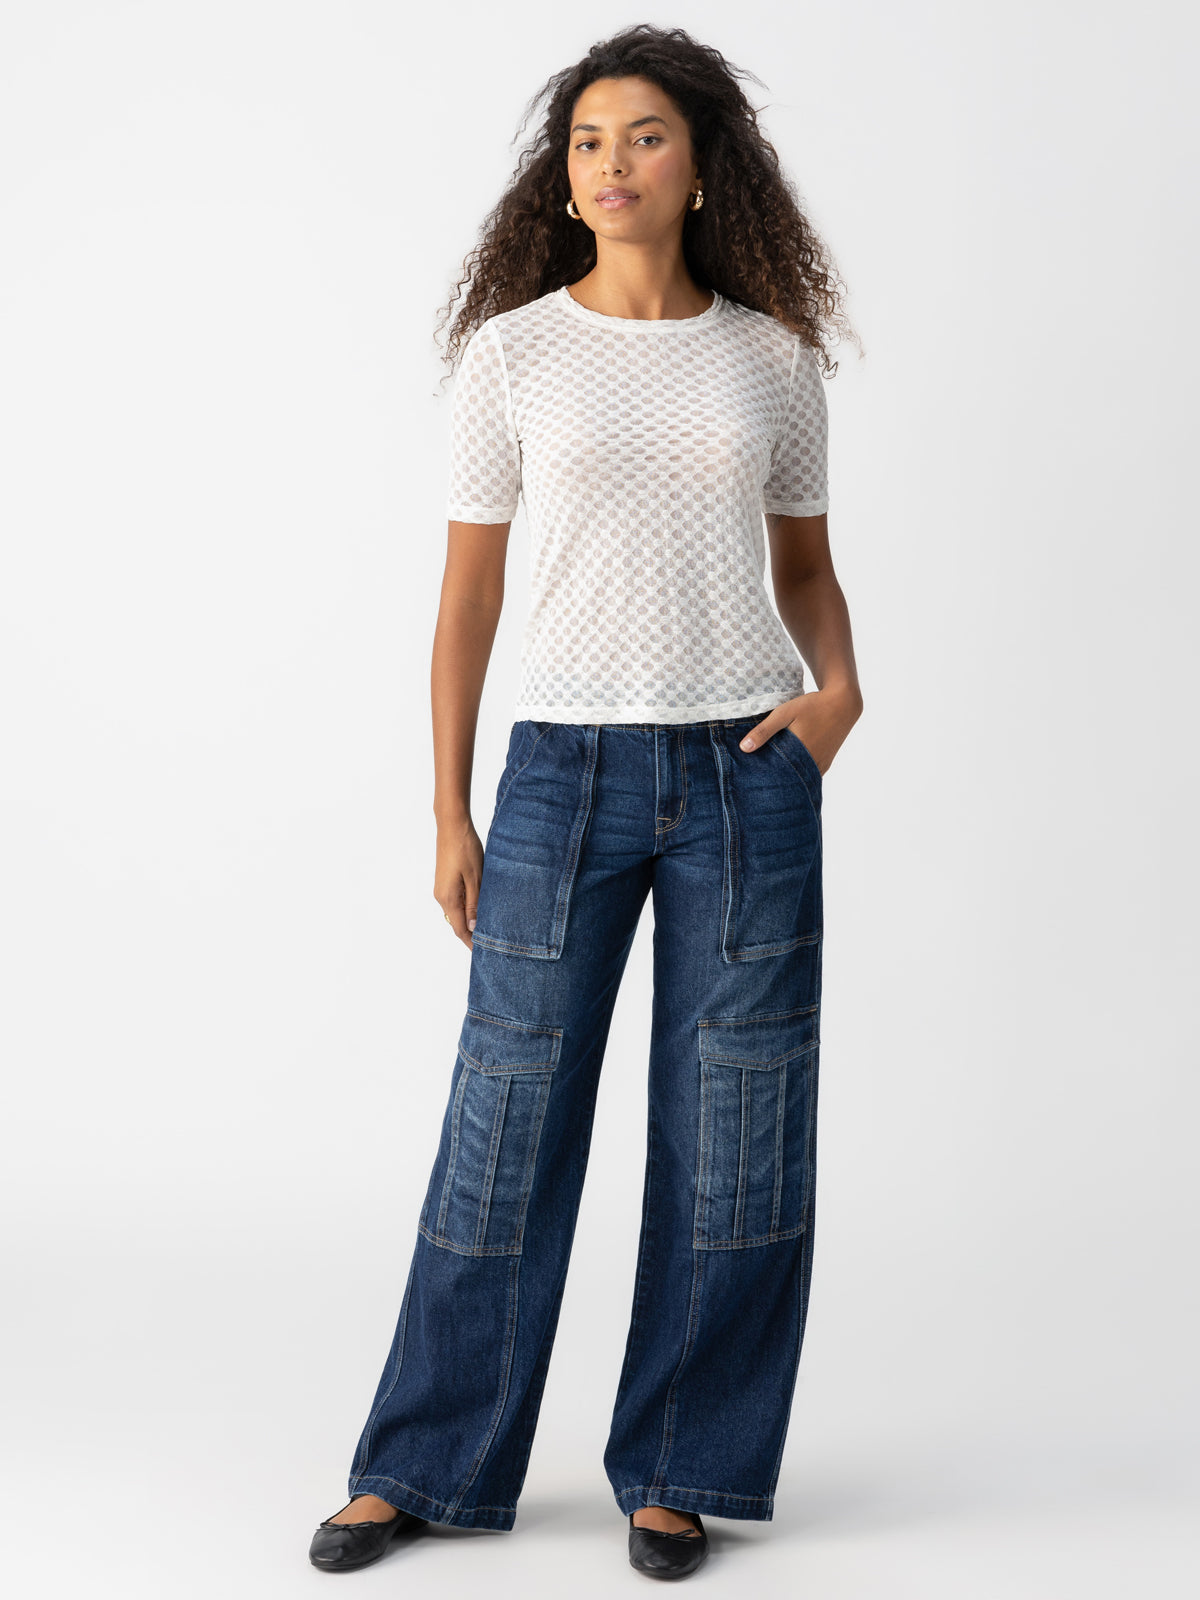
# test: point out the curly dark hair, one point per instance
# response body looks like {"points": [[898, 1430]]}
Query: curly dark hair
{"points": [[751, 240]]}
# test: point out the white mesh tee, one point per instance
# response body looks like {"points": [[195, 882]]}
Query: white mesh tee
{"points": [[646, 454]]}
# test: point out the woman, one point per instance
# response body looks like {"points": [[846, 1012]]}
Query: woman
{"points": [[640, 366]]}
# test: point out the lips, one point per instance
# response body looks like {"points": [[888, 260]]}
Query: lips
{"points": [[616, 194]]}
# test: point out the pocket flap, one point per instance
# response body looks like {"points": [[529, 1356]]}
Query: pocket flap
{"points": [[761, 1041], [498, 1044]]}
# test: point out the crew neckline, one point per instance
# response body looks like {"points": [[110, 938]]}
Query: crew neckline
{"points": [[603, 319]]}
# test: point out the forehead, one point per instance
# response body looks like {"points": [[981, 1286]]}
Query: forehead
{"points": [[621, 100]]}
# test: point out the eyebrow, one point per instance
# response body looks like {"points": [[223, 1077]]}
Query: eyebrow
{"points": [[591, 127]]}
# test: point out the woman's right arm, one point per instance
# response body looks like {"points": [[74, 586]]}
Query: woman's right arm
{"points": [[471, 601]]}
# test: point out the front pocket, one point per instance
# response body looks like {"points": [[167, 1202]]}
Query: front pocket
{"points": [[535, 841], [804, 754], [521, 741], [479, 1187], [771, 894], [756, 1161]]}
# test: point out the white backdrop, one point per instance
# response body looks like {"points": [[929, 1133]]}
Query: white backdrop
{"points": [[231, 1000]]}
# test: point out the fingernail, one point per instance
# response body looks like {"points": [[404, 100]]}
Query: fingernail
{"points": [[471, 924], [747, 743]]}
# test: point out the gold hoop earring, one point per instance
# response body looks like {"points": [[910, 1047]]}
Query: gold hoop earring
{"points": [[695, 201], [571, 212]]}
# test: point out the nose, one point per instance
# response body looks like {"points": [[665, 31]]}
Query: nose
{"points": [[611, 163]]}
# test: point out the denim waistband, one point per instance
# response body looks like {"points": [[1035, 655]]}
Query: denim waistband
{"points": [[749, 720]]}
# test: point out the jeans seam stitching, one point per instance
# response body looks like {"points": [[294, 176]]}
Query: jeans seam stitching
{"points": [[535, 1145], [673, 822], [504, 1090], [715, 1494], [643, 1255], [460, 1090], [575, 849], [729, 873], [510, 1337], [442, 1505], [364, 1452], [668, 1440]]}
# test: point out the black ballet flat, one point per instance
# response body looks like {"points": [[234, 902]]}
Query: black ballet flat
{"points": [[666, 1555], [345, 1546]]}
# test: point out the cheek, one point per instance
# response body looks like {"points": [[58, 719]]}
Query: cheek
{"points": [[671, 171]]}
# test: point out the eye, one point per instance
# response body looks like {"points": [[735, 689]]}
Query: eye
{"points": [[657, 138]]}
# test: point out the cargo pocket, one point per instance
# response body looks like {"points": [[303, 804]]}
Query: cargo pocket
{"points": [[479, 1188], [771, 899], [758, 1106], [535, 840]]}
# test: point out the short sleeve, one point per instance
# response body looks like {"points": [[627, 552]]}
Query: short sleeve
{"points": [[797, 481], [485, 455]]}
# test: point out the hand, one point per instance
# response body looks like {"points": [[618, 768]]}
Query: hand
{"points": [[820, 719], [457, 875]]}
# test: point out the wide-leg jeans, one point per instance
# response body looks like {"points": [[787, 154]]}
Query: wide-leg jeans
{"points": [[589, 819]]}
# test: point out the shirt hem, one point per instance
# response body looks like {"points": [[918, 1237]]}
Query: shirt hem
{"points": [[796, 508], [707, 711], [479, 514]]}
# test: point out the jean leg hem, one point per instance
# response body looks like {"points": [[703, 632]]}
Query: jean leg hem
{"points": [[405, 1498], [709, 1502]]}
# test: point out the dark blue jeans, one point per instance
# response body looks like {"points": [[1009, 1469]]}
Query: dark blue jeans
{"points": [[588, 820]]}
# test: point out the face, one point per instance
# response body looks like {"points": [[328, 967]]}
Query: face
{"points": [[627, 134]]}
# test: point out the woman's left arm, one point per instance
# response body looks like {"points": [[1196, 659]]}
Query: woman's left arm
{"points": [[813, 609]]}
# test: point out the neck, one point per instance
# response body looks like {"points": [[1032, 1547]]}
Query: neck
{"points": [[632, 283]]}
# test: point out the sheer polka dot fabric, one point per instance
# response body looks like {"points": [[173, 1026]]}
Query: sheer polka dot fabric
{"points": [[646, 454]]}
